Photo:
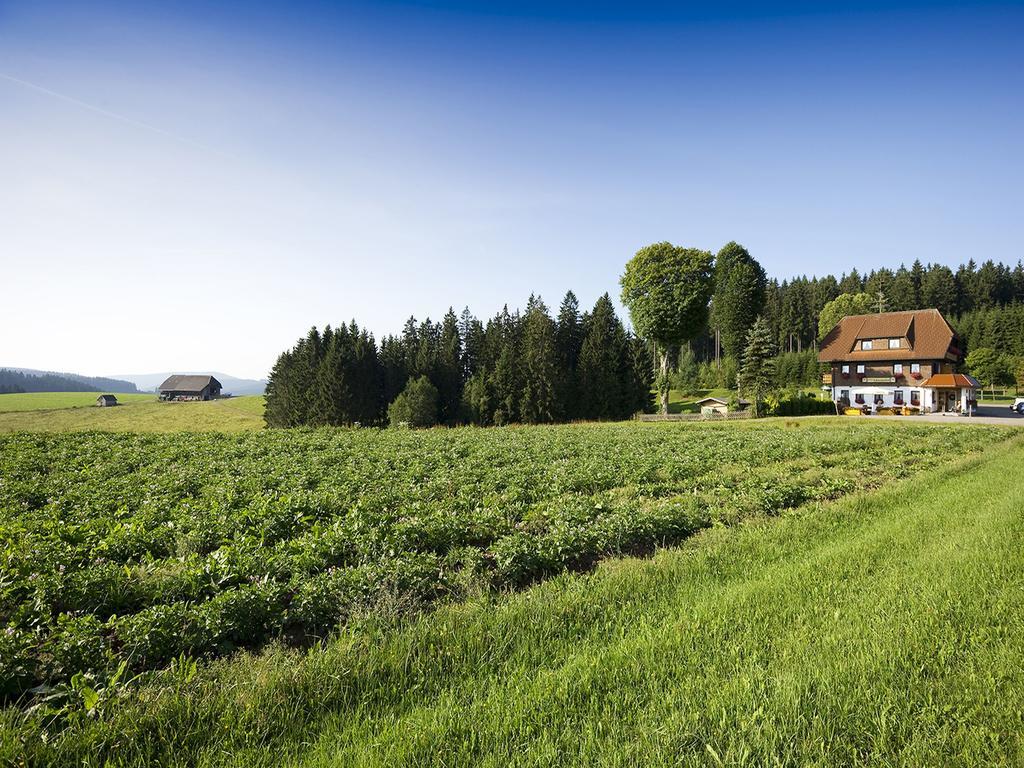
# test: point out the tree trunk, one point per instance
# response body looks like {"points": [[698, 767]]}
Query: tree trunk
{"points": [[664, 381], [718, 347]]}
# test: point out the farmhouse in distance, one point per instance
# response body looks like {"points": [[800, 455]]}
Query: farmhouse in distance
{"points": [[190, 388], [897, 360]]}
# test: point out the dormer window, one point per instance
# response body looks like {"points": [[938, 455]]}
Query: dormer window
{"points": [[894, 343], [866, 345]]}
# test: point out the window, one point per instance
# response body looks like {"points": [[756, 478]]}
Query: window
{"points": [[879, 399], [846, 370], [894, 343], [859, 399], [897, 397], [915, 367], [866, 345], [860, 369], [897, 369], [844, 394], [915, 397]]}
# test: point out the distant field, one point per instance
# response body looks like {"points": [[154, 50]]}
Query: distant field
{"points": [[45, 401], [76, 412]]}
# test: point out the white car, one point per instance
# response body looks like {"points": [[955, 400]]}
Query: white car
{"points": [[1018, 406]]}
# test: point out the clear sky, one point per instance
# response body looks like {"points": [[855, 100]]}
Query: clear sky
{"points": [[189, 187]]}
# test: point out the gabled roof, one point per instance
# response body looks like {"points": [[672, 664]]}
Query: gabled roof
{"points": [[951, 380], [187, 383], [107, 398], [715, 400], [930, 337]]}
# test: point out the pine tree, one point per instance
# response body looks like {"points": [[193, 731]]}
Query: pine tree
{"points": [[757, 370]]}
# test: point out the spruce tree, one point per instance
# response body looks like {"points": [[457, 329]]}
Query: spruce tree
{"points": [[739, 296], [601, 390], [917, 273], [568, 343], [448, 369], [757, 369], [332, 399], [539, 400]]}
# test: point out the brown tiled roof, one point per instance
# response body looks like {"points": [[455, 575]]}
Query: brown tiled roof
{"points": [[930, 337], [948, 380], [187, 383]]}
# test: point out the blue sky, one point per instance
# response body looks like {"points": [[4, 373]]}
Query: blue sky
{"points": [[189, 187]]}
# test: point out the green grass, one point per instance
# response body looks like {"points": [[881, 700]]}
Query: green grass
{"points": [[69, 412], [880, 629], [48, 401]]}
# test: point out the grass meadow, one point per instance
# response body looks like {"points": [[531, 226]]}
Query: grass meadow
{"points": [[876, 622], [77, 412], [51, 401]]}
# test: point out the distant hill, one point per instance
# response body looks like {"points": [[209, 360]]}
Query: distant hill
{"points": [[32, 380], [148, 382]]}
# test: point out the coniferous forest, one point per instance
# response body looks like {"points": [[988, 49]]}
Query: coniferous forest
{"points": [[518, 367], [533, 367]]}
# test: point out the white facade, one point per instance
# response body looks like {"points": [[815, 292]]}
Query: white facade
{"points": [[927, 399]]}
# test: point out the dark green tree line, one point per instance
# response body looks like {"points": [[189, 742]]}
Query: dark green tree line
{"points": [[517, 368]]}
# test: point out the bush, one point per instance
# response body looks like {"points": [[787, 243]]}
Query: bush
{"points": [[801, 405], [416, 406]]}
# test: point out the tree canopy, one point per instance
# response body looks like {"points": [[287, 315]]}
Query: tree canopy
{"points": [[843, 305]]}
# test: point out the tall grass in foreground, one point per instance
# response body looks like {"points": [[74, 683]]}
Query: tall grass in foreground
{"points": [[883, 629]]}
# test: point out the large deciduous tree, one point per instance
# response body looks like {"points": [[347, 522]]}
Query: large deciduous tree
{"points": [[843, 305], [667, 289]]}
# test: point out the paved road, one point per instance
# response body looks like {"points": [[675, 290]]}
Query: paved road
{"points": [[986, 414]]}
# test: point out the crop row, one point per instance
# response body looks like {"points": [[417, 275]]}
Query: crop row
{"points": [[137, 549]]}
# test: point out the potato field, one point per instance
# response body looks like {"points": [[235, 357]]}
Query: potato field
{"points": [[124, 553]]}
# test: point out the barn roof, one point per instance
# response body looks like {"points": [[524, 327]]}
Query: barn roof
{"points": [[187, 383], [107, 398], [930, 337]]}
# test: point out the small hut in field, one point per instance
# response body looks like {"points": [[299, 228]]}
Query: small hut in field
{"points": [[104, 401]]}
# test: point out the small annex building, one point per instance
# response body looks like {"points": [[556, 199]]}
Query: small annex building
{"points": [[189, 387], [713, 406], [105, 401]]}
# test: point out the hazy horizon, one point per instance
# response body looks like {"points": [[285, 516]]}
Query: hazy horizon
{"points": [[191, 188]]}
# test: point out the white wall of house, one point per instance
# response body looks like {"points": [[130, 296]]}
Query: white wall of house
{"points": [[927, 398], [888, 395]]}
